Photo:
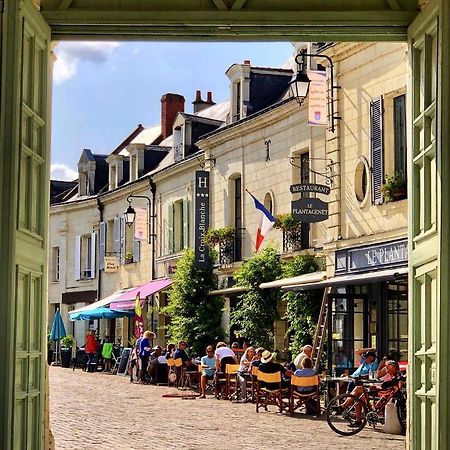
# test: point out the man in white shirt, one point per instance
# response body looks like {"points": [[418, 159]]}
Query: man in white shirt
{"points": [[224, 355], [306, 352]]}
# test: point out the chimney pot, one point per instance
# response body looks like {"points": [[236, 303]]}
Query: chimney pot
{"points": [[209, 97], [171, 105], [247, 62], [198, 96]]}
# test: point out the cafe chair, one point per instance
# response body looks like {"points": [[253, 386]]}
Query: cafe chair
{"points": [[210, 384], [231, 381], [265, 396], [253, 380], [306, 400], [174, 371]]}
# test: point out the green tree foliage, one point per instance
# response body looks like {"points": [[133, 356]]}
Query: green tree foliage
{"points": [[257, 309], [302, 307], [195, 316]]}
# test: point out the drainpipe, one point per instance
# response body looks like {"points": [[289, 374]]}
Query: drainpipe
{"points": [[100, 208], [153, 242]]}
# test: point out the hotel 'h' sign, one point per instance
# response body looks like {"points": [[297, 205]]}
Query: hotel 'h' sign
{"points": [[201, 218]]}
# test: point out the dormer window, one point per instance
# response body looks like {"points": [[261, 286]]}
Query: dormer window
{"points": [[83, 184], [239, 75], [178, 143], [137, 160]]}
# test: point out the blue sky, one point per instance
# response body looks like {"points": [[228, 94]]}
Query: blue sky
{"points": [[102, 90]]}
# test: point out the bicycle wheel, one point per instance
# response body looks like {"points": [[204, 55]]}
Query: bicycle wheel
{"points": [[400, 403], [342, 414]]}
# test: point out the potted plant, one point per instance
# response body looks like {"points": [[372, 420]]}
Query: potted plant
{"points": [[286, 222], [217, 236], [128, 257], [394, 187], [67, 343]]}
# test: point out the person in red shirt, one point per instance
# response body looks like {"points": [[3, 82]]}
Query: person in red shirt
{"points": [[90, 347]]}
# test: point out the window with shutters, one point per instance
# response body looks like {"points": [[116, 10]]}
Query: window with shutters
{"points": [[377, 149], [87, 256], [400, 135], [178, 226]]}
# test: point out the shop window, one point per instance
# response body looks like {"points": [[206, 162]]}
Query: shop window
{"points": [[397, 318], [55, 264]]}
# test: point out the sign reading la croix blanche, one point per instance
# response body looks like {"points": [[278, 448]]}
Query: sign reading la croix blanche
{"points": [[201, 218]]}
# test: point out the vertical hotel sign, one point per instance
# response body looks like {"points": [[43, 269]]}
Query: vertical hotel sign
{"points": [[201, 218], [317, 98]]}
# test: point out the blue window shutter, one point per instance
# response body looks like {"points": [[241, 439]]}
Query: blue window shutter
{"points": [[377, 149], [101, 245], [136, 250]]}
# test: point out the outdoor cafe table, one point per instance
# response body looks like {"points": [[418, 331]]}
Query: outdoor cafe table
{"points": [[329, 382]]}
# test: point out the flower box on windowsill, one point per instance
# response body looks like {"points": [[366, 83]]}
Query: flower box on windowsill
{"points": [[128, 260]]}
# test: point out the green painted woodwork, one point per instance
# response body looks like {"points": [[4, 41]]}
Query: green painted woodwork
{"points": [[24, 165], [306, 20], [24, 156], [429, 166]]}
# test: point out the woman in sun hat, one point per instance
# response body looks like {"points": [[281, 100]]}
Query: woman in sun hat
{"points": [[269, 366]]}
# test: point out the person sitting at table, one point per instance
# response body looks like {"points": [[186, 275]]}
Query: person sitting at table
{"points": [[153, 362], [306, 371], [269, 366], [368, 364], [257, 358], [224, 355], [305, 353], [390, 372], [170, 351], [181, 353], [208, 365], [244, 368]]}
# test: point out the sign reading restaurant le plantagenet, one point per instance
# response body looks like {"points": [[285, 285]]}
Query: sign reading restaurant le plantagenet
{"points": [[316, 188], [201, 218], [309, 210]]}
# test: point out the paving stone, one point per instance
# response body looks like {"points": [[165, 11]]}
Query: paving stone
{"points": [[100, 411]]}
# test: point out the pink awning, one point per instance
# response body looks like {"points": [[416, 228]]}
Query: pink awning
{"points": [[127, 299]]}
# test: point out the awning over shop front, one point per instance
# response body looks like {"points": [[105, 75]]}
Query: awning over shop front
{"points": [[229, 291], [99, 313], [101, 303], [127, 300], [312, 277], [359, 278]]}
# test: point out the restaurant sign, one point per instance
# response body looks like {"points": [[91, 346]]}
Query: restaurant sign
{"points": [[309, 210], [367, 258], [111, 264], [316, 188], [201, 218]]}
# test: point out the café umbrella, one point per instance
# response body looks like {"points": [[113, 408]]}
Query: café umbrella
{"points": [[57, 332]]}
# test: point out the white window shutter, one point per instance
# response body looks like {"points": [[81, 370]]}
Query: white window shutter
{"points": [[116, 236], [123, 242], [186, 223], [77, 258], [93, 247], [101, 245]]}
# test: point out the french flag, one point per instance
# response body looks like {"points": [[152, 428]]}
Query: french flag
{"points": [[266, 221]]}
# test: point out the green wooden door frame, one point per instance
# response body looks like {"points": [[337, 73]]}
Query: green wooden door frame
{"points": [[23, 251]]}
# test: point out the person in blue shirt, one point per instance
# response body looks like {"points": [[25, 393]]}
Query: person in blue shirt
{"points": [[368, 362], [208, 364], [144, 354], [306, 371]]}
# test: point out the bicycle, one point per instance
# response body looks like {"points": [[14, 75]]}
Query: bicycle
{"points": [[342, 411]]}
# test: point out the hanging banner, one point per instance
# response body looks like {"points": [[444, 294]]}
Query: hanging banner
{"points": [[201, 218], [141, 224], [317, 98]]}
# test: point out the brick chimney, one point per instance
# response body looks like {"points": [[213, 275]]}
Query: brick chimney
{"points": [[171, 105], [199, 104]]}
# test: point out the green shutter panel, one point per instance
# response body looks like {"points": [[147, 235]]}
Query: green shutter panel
{"points": [[377, 149], [185, 222], [170, 227]]}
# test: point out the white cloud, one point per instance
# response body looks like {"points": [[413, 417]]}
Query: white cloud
{"points": [[62, 172], [70, 54]]}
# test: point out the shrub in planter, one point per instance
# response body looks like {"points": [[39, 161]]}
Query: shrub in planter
{"points": [[286, 222], [66, 350], [219, 235], [394, 187]]}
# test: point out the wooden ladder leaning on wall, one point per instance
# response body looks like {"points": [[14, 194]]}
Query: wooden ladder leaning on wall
{"points": [[321, 330]]}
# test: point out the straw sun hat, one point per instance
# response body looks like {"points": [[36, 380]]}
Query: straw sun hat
{"points": [[266, 356]]}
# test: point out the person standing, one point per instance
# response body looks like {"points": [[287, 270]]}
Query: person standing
{"points": [[90, 348], [144, 354], [107, 350]]}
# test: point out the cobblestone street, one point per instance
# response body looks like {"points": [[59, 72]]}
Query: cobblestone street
{"points": [[99, 411]]}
